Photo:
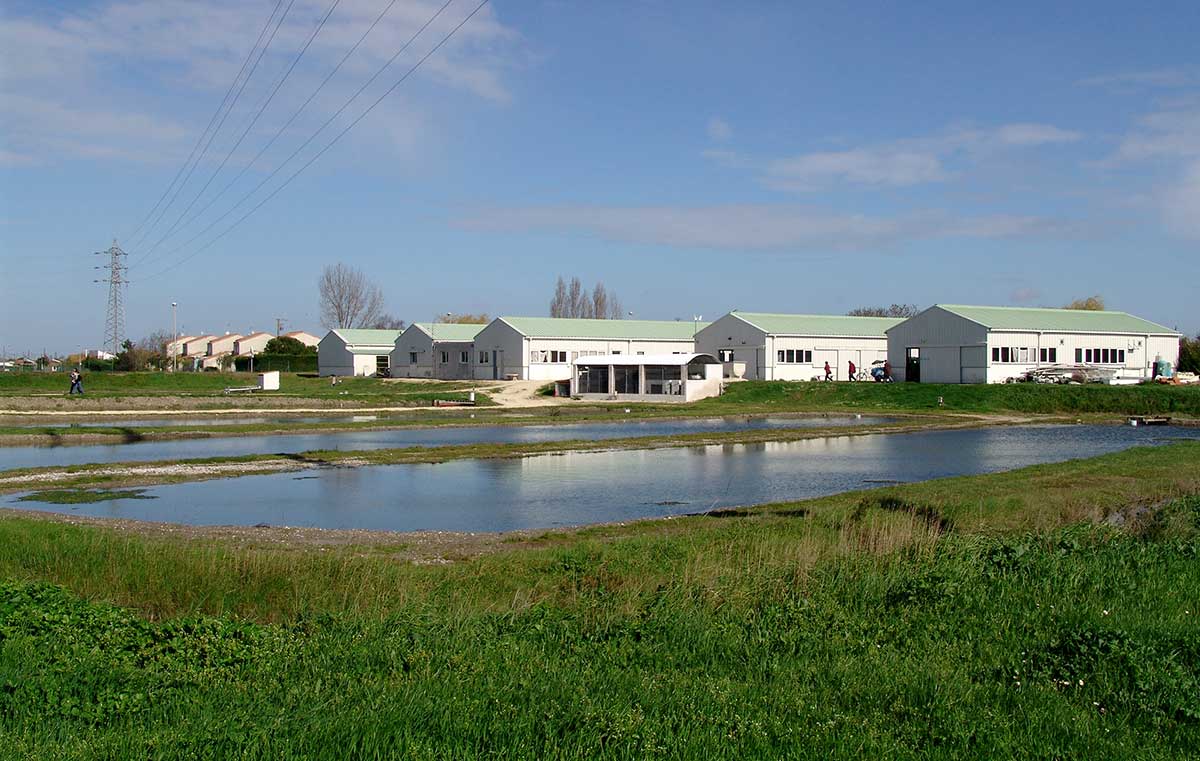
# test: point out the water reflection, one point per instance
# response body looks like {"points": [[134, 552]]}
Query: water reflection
{"points": [[591, 487]]}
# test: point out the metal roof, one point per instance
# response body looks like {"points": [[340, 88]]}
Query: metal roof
{"points": [[451, 331], [563, 327], [366, 336], [817, 324], [647, 359], [1064, 320]]}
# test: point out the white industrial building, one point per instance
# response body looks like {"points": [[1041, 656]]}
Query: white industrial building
{"points": [[647, 377], [763, 346], [543, 348], [356, 351], [950, 343], [437, 350]]}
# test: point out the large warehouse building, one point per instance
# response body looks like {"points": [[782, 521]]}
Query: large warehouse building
{"points": [[543, 348], [950, 343], [762, 346]]}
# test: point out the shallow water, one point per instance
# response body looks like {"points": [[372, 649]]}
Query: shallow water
{"points": [[178, 449], [595, 487]]}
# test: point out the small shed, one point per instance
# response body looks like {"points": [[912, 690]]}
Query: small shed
{"points": [[646, 377], [356, 351]]}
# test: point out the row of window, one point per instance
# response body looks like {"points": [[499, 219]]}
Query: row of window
{"points": [[1023, 354], [1100, 356], [795, 356]]}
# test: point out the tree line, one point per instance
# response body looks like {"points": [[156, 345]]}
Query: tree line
{"points": [[571, 299]]}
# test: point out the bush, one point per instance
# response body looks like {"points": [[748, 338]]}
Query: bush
{"points": [[288, 363]]}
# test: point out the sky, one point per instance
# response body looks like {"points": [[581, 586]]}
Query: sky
{"points": [[695, 157]]}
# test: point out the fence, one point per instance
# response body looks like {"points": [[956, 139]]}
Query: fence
{"points": [[286, 363]]}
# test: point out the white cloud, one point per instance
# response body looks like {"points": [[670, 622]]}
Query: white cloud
{"points": [[898, 163], [757, 226], [719, 129], [147, 63], [1181, 204], [1165, 134]]}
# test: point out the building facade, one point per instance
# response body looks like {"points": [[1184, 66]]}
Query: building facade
{"points": [[766, 346], [951, 343], [543, 348], [356, 351], [436, 350], [646, 377], [251, 344]]}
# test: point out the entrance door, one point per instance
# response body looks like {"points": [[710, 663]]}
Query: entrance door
{"points": [[912, 365], [495, 367]]}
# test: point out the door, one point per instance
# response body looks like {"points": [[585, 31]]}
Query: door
{"points": [[495, 367], [912, 365]]}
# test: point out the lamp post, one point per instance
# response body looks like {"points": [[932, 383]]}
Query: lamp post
{"points": [[175, 345]]}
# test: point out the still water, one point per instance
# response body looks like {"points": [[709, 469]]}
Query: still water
{"points": [[595, 487], [178, 449]]}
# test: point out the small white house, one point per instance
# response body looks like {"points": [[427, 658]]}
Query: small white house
{"points": [[308, 339], [952, 343], [435, 350], [647, 377], [356, 351], [763, 346], [251, 344], [543, 348]]}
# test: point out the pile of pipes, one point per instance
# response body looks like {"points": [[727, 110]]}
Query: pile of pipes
{"points": [[1069, 374]]}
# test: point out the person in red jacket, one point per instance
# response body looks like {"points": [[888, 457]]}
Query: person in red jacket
{"points": [[853, 370], [828, 372]]}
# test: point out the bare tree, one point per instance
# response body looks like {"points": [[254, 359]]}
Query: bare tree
{"points": [[465, 319], [1088, 304], [573, 300], [387, 321], [559, 304], [895, 310], [348, 299]]}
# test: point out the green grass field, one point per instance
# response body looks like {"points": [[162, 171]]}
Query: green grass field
{"points": [[1006, 615]]}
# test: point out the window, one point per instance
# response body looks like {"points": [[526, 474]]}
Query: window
{"points": [[1048, 355], [382, 362], [791, 356], [725, 355], [593, 379], [641, 353], [1078, 355], [995, 353], [625, 380], [1087, 355], [779, 356], [412, 358], [1004, 353], [464, 358], [445, 358], [663, 379], [483, 357], [1121, 356], [558, 356], [1024, 354]]}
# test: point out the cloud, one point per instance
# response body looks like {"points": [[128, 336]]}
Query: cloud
{"points": [[1181, 204], [1166, 78], [757, 226], [1024, 295], [897, 163], [149, 63], [719, 129], [1165, 134]]}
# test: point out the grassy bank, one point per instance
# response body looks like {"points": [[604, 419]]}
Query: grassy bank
{"points": [[973, 617]]}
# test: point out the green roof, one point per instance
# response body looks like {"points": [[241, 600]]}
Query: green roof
{"points": [[562, 327], [451, 331], [1065, 320], [354, 336], [818, 324]]}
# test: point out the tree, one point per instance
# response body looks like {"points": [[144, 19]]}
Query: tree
{"points": [[1088, 304], [895, 310], [287, 345], [1189, 355], [388, 322], [464, 319], [348, 299], [573, 300], [156, 349]]}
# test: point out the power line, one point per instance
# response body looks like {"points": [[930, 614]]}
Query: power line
{"points": [[329, 145], [212, 136], [249, 126], [294, 116], [211, 121]]}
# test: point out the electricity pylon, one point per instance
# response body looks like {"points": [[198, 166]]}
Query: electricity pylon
{"points": [[114, 321]]}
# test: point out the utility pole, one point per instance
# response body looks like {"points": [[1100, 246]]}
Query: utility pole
{"points": [[174, 346], [279, 326], [114, 321]]}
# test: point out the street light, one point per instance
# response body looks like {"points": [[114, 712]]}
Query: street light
{"points": [[175, 345]]}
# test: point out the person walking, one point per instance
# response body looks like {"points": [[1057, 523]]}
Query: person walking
{"points": [[853, 370], [76, 382], [828, 371]]}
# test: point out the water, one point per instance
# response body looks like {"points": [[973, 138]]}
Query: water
{"points": [[160, 422], [596, 487], [178, 449]]}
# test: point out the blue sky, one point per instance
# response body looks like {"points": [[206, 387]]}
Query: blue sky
{"points": [[696, 157]]}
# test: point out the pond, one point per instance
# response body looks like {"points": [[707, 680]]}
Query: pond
{"points": [[179, 449], [596, 487]]}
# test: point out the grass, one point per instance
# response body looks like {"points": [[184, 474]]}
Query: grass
{"points": [[81, 496], [997, 615]]}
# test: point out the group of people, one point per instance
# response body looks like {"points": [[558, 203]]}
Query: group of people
{"points": [[881, 374], [76, 382]]}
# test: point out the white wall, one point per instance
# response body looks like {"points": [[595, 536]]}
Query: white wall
{"points": [[508, 345], [413, 339], [731, 333], [334, 358], [944, 339], [838, 351], [1140, 351]]}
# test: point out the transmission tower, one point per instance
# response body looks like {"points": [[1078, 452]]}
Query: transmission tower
{"points": [[114, 321]]}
